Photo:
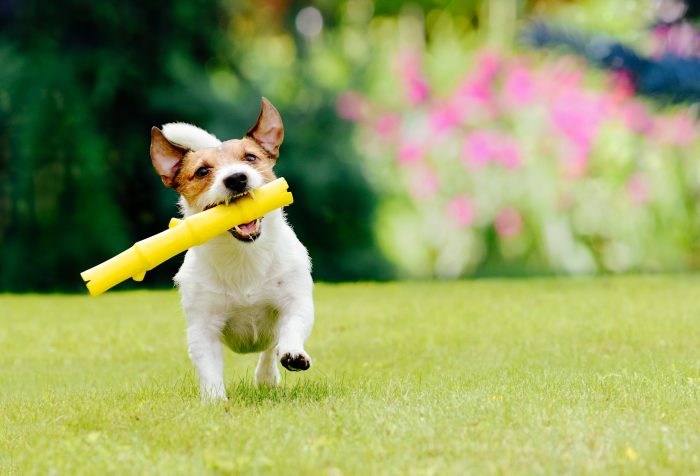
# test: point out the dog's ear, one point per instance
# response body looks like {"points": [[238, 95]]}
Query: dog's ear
{"points": [[166, 157], [268, 131]]}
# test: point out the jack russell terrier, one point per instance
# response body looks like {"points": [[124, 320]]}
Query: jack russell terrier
{"points": [[250, 288]]}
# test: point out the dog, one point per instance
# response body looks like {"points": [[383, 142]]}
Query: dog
{"points": [[250, 288]]}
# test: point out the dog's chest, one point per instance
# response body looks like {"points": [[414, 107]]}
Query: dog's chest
{"points": [[250, 328]]}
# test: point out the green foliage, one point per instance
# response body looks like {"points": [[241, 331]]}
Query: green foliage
{"points": [[81, 85], [485, 377]]}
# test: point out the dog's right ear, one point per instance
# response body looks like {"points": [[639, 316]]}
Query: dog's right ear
{"points": [[166, 157]]}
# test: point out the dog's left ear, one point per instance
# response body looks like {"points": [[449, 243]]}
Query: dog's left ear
{"points": [[268, 131]]}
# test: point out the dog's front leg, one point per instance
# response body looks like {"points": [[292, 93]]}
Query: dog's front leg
{"points": [[206, 353], [295, 322]]}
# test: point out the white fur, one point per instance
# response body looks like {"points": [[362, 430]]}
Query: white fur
{"points": [[255, 297], [189, 136]]}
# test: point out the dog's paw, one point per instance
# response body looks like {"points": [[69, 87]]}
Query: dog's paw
{"points": [[213, 393], [295, 360], [267, 377]]}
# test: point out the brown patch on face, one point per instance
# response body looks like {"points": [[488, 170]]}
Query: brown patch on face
{"points": [[191, 181], [191, 173]]}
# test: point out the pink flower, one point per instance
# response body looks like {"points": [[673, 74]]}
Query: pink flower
{"points": [[519, 87], [488, 64], [622, 85], [680, 39], [565, 74], [678, 129], [414, 80], [482, 147], [351, 106], [578, 117], [509, 155], [444, 118], [461, 210], [409, 153], [637, 118], [575, 161], [477, 87], [638, 189], [508, 223], [387, 125], [424, 183], [475, 90]]}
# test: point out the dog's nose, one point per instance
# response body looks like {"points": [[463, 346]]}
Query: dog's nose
{"points": [[236, 182]]}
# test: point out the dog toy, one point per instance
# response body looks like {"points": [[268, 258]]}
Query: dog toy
{"points": [[183, 234]]}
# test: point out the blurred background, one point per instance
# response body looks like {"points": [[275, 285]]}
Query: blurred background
{"points": [[422, 139]]}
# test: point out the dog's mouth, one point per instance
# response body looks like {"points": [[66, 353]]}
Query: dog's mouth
{"points": [[247, 231]]}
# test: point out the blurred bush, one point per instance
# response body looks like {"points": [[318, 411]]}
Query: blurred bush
{"points": [[415, 131], [491, 161], [81, 84]]}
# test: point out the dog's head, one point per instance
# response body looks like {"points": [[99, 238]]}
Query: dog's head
{"points": [[206, 172]]}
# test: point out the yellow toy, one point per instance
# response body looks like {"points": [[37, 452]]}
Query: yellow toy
{"points": [[183, 234]]}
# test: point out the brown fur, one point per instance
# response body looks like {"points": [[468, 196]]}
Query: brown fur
{"points": [[187, 184], [177, 166]]}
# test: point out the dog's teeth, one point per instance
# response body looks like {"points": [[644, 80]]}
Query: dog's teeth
{"points": [[252, 194]]}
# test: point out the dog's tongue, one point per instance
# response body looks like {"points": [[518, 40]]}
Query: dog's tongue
{"points": [[248, 228]]}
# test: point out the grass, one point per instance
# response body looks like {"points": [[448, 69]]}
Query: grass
{"points": [[487, 377]]}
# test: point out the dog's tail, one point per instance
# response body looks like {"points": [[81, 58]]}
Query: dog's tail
{"points": [[189, 136]]}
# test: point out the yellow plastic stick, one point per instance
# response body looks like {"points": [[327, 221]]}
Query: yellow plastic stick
{"points": [[183, 234]]}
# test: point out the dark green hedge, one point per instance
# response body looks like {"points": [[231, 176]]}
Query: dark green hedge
{"points": [[82, 82]]}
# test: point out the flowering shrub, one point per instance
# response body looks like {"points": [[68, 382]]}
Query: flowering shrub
{"points": [[527, 165]]}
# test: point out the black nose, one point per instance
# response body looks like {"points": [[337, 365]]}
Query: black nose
{"points": [[236, 182]]}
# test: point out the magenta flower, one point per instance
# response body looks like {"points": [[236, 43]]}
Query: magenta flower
{"points": [[508, 223], [638, 189], [461, 210]]}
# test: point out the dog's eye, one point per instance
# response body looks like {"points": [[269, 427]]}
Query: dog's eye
{"points": [[250, 158], [201, 172]]}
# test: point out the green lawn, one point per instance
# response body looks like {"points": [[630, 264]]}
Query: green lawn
{"points": [[486, 377]]}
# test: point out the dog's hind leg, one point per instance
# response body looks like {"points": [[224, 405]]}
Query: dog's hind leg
{"points": [[267, 372]]}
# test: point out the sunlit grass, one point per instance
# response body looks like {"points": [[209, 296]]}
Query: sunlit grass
{"points": [[486, 377]]}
